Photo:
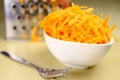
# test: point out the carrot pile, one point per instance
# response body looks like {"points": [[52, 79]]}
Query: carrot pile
{"points": [[77, 24]]}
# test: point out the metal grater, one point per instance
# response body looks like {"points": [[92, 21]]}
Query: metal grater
{"points": [[23, 15]]}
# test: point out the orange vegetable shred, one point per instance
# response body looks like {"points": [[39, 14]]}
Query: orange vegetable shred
{"points": [[77, 24]]}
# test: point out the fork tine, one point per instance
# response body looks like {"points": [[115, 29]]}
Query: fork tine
{"points": [[66, 69], [50, 73], [61, 71]]}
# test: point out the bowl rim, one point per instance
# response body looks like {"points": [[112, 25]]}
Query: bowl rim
{"points": [[109, 43]]}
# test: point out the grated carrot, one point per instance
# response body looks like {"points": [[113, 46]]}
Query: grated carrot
{"points": [[34, 35], [77, 24], [23, 36], [21, 1]]}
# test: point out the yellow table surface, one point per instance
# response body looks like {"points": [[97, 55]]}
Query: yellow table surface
{"points": [[107, 69]]}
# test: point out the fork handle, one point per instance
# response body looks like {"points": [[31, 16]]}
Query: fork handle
{"points": [[19, 59]]}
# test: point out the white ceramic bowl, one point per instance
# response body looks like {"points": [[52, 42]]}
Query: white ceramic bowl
{"points": [[74, 54]]}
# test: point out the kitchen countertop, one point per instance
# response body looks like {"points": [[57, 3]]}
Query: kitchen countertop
{"points": [[37, 52]]}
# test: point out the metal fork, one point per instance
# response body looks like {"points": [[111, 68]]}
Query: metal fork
{"points": [[44, 72]]}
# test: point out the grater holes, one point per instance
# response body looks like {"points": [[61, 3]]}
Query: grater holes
{"points": [[31, 5], [14, 27], [19, 17], [41, 5], [14, 6], [50, 5], [59, 5], [14, 9], [23, 6], [23, 27]]}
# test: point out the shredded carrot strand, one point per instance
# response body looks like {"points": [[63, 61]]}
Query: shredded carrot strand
{"points": [[77, 24]]}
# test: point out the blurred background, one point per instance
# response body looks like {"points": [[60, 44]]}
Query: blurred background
{"points": [[108, 7], [2, 20]]}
